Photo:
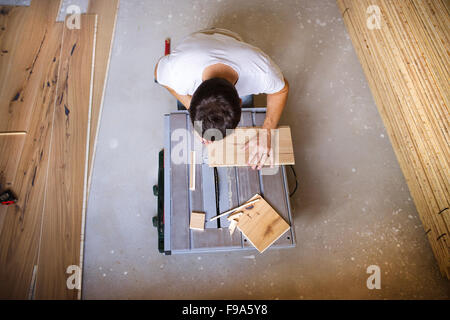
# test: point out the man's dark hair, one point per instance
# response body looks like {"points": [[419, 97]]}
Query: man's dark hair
{"points": [[217, 105]]}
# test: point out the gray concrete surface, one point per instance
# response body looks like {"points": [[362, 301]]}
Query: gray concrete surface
{"points": [[353, 208]]}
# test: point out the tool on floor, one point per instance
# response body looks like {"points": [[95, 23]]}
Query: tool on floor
{"points": [[7, 198]]}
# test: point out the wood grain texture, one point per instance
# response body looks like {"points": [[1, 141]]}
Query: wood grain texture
{"points": [[229, 151], [26, 33], [407, 65], [106, 11], [197, 221], [11, 147], [19, 239], [65, 195], [261, 224]]}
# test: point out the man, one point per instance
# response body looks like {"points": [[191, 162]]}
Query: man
{"points": [[210, 70]]}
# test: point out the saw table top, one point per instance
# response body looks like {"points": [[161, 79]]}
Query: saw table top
{"points": [[236, 185]]}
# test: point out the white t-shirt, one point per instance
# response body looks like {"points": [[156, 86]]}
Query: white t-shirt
{"points": [[182, 70]]}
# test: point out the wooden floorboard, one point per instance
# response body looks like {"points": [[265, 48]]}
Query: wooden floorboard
{"points": [[106, 11], [62, 229], [25, 34], [10, 151], [19, 239]]}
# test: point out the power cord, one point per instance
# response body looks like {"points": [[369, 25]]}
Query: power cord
{"points": [[296, 181]]}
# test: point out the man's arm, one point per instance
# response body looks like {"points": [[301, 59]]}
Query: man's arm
{"points": [[275, 106], [260, 150], [184, 99]]}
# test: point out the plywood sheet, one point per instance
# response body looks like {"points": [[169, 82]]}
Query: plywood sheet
{"points": [[19, 239], [261, 224], [62, 229], [106, 11], [230, 152]]}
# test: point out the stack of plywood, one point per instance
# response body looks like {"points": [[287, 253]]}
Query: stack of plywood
{"points": [[404, 49], [52, 83]]}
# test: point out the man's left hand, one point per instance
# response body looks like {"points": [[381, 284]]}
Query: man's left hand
{"points": [[260, 149]]}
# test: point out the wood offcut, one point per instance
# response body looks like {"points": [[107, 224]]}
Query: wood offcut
{"points": [[230, 151]]}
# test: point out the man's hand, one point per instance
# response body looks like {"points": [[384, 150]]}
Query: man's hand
{"points": [[260, 149]]}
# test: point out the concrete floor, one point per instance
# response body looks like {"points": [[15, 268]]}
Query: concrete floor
{"points": [[353, 208]]}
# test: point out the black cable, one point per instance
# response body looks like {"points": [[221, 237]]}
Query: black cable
{"points": [[296, 181], [216, 185]]}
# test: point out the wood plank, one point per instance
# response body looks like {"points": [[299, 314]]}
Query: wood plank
{"points": [[19, 240], [179, 195], [26, 31], [406, 63], [106, 11], [261, 224], [62, 229], [229, 152], [10, 150]]}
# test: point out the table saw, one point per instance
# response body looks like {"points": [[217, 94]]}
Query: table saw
{"points": [[236, 186]]}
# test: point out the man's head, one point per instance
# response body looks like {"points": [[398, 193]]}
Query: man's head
{"points": [[217, 105]]}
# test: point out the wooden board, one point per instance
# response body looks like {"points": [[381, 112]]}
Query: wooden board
{"points": [[19, 239], [229, 152], [106, 11], [261, 224], [63, 220], [26, 32], [407, 65], [10, 151]]}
